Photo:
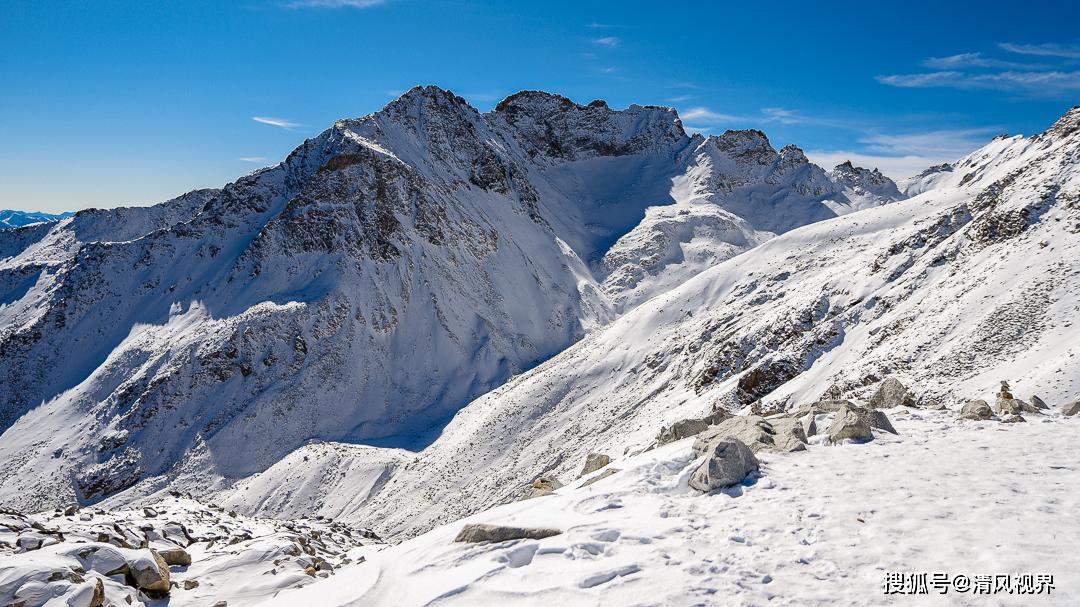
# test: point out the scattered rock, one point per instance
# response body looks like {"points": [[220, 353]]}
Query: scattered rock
{"points": [[891, 393], [71, 510], [594, 462], [190, 584], [728, 463], [849, 424], [478, 532], [1038, 403], [976, 409], [1013, 419], [789, 434], [1071, 408]]}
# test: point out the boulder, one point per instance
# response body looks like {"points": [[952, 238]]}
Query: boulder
{"points": [[823, 406], [175, 556], [891, 393], [594, 462], [686, 428], [751, 430], [809, 424], [849, 424], [1072, 408], [150, 573], [1013, 419], [1039, 403], [877, 419], [478, 532], [789, 434], [727, 463], [976, 409]]}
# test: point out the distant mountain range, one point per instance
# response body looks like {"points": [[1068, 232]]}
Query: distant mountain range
{"points": [[15, 219]]}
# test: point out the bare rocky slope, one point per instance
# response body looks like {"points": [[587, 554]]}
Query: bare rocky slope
{"points": [[389, 271]]}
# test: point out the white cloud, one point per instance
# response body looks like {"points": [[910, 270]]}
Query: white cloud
{"points": [[963, 60], [609, 70], [252, 158], [1049, 49], [779, 114], [608, 41], [1034, 83], [706, 116], [281, 122], [333, 3], [951, 143]]}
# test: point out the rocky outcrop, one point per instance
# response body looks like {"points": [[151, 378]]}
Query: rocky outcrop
{"points": [[728, 462], [478, 532]]}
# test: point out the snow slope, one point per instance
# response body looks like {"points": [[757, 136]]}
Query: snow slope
{"points": [[817, 528], [382, 276]]}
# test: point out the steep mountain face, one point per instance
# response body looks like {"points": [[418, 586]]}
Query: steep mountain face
{"points": [[387, 272], [950, 291], [15, 219]]}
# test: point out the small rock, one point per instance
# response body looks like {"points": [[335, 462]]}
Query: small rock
{"points": [[149, 512], [1038, 403], [546, 483], [594, 462], [71, 510], [190, 584], [1071, 408], [728, 463], [891, 394], [478, 532], [1013, 419]]}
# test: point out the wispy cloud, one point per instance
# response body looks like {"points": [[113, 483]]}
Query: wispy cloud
{"points": [[946, 142], [900, 155], [1046, 83], [252, 158], [681, 98], [608, 41], [280, 122], [1049, 49], [704, 115], [333, 3], [609, 70], [1054, 76], [779, 114], [964, 60]]}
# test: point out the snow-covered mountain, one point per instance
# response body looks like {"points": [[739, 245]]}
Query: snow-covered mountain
{"points": [[15, 219], [385, 274], [952, 291], [430, 313]]}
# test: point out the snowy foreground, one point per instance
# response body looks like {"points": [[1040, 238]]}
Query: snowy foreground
{"points": [[818, 527]]}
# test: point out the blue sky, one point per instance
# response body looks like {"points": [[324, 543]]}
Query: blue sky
{"points": [[116, 103]]}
